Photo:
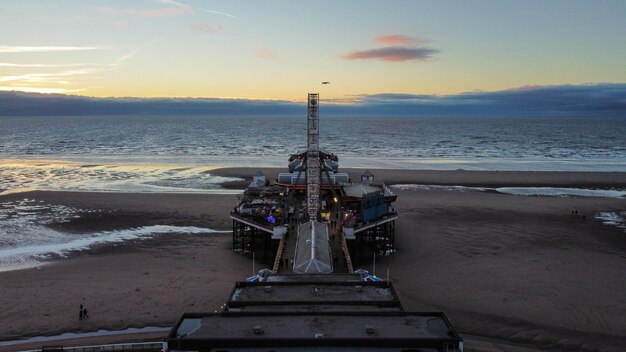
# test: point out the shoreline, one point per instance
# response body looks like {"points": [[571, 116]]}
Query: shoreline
{"points": [[348, 161], [17, 176], [499, 265], [468, 178]]}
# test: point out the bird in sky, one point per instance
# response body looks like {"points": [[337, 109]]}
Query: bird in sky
{"points": [[325, 82]]}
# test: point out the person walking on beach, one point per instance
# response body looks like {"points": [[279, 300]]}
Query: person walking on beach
{"points": [[85, 315], [81, 312]]}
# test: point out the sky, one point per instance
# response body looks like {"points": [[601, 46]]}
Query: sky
{"points": [[281, 50]]}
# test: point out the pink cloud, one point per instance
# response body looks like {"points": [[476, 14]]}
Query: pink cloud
{"points": [[399, 39], [393, 53], [121, 24], [203, 27], [105, 9], [153, 12], [160, 12], [394, 39], [266, 54]]}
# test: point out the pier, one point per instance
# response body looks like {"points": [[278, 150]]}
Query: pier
{"points": [[314, 219], [312, 226]]}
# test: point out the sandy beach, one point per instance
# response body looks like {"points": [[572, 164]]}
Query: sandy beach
{"points": [[518, 268]]}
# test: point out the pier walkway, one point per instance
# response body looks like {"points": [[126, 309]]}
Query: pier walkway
{"points": [[285, 254]]}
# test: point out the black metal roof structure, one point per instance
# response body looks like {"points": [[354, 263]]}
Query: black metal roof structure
{"points": [[331, 311]]}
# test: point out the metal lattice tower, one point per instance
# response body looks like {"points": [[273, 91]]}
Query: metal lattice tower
{"points": [[313, 157]]}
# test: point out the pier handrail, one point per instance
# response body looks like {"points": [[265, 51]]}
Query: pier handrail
{"points": [[386, 189], [346, 253], [134, 346], [279, 254]]}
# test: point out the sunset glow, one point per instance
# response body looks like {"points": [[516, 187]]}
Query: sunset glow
{"points": [[278, 50]]}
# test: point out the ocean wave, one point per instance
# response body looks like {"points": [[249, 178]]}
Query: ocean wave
{"points": [[520, 191], [561, 192], [27, 175], [613, 218], [26, 238], [25, 221], [418, 187], [32, 255]]}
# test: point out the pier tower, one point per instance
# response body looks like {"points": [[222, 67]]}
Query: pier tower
{"points": [[313, 177]]}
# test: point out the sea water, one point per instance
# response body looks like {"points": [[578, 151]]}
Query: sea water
{"points": [[54, 175], [176, 153], [584, 144]]}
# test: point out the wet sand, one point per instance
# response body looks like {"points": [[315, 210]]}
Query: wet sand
{"points": [[521, 269]]}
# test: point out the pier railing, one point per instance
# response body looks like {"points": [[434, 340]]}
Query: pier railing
{"points": [[119, 347], [346, 253], [279, 255]]}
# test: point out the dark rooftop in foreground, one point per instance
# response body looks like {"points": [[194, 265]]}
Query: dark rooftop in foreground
{"points": [[301, 293], [266, 331], [338, 311]]}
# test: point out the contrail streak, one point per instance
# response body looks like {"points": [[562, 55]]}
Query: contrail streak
{"points": [[172, 2], [43, 49]]}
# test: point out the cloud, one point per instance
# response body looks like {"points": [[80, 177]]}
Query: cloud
{"points": [[43, 49], [393, 53], [120, 24], [10, 64], [557, 100], [398, 39], [203, 27], [266, 54], [399, 48], [180, 4], [47, 77], [105, 9], [160, 12], [30, 104], [177, 10], [22, 77], [395, 97], [39, 90], [588, 100]]}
